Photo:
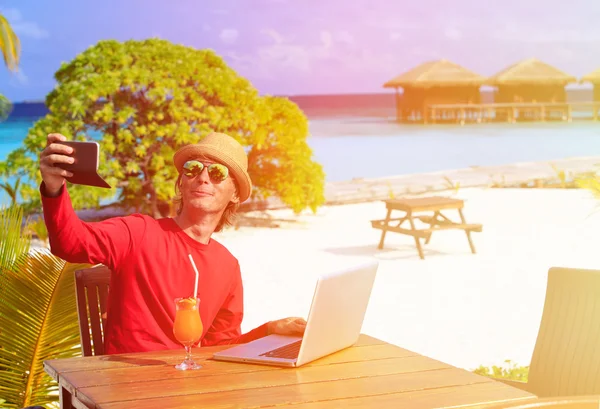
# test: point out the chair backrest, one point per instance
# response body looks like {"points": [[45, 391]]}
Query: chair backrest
{"points": [[566, 402], [566, 357], [91, 289]]}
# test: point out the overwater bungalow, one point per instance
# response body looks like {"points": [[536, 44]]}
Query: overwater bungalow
{"points": [[531, 81], [594, 79], [433, 83]]}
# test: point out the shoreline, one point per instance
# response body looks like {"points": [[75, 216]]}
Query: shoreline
{"points": [[510, 175], [362, 190]]}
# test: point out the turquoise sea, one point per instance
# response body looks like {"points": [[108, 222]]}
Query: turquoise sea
{"points": [[377, 147]]}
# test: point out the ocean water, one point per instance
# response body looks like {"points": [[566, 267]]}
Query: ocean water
{"points": [[370, 148], [377, 147], [12, 135]]}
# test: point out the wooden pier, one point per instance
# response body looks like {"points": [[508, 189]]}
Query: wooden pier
{"points": [[502, 112]]}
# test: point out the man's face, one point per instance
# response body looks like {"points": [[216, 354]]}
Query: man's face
{"points": [[209, 190]]}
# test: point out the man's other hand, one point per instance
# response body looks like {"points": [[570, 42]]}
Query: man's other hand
{"points": [[287, 326]]}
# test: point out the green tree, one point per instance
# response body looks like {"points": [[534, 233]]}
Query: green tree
{"points": [[18, 167], [280, 160], [10, 189], [142, 100], [5, 108]]}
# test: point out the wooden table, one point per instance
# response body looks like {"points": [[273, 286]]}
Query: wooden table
{"points": [[371, 374], [432, 207]]}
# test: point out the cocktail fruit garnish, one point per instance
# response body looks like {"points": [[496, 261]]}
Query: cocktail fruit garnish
{"points": [[187, 303]]}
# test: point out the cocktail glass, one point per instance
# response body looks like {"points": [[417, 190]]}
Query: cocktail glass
{"points": [[187, 329]]}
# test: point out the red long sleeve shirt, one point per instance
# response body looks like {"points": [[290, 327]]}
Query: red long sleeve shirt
{"points": [[150, 268]]}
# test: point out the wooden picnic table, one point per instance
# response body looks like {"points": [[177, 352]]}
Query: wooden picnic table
{"points": [[433, 207], [372, 373]]}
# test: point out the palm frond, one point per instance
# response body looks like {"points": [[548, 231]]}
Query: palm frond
{"points": [[38, 317], [592, 184], [12, 191], [10, 45], [37, 228], [13, 242], [6, 108]]}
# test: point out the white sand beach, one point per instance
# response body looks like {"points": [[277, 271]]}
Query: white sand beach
{"points": [[454, 306]]}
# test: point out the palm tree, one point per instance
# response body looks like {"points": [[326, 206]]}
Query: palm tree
{"points": [[11, 51], [38, 315], [9, 45], [11, 190]]}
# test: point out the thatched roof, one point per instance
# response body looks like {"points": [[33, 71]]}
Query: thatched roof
{"points": [[593, 77], [531, 71], [436, 73]]}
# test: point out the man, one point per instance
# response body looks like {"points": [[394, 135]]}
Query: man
{"points": [[149, 258]]}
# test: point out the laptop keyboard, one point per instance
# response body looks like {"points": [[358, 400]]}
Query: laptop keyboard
{"points": [[289, 351]]}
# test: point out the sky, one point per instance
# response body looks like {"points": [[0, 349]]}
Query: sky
{"points": [[287, 47]]}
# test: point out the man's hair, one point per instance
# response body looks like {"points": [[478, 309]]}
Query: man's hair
{"points": [[227, 218]]}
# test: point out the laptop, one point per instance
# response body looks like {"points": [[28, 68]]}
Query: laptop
{"points": [[334, 323]]}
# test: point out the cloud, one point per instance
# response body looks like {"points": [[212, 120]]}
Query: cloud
{"points": [[453, 34], [303, 54], [19, 78], [326, 39], [22, 78], [245, 63], [329, 38], [424, 54], [564, 54], [389, 21], [229, 35], [344, 37], [285, 53], [395, 36], [238, 58], [527, 34], [22, 27], [31, 30], [274, 35]]}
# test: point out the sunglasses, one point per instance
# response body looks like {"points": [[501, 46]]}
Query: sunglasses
{"points": [[216, 171]]}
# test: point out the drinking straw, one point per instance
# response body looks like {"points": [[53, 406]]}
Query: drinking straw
{"points": [[196, 270]]}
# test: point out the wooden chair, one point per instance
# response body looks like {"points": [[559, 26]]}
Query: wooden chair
{"points": [[567, 402], [91, 289], [566, 357]]}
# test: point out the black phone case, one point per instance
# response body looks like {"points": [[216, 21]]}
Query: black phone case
{"points": [[85, 167]]}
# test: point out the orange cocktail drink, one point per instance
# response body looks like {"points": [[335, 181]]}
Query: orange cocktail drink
{"points": [[187, 328]]}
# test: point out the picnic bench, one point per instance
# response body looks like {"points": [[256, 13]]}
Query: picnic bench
{"points": [[432, 207]]}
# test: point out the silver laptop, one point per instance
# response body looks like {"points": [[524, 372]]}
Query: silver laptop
{"points": [[334, 322]]}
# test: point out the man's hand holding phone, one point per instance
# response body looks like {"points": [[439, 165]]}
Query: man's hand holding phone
{"points": [[75, 161], [55, 153]]}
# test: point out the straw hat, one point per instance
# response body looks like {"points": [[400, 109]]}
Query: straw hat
{"points": [[222, 149]]}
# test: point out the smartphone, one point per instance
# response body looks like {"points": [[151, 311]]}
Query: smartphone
{"points": [[85, 166]]}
